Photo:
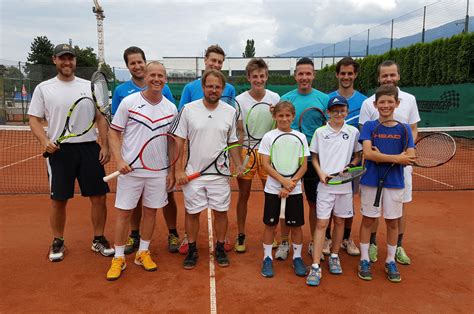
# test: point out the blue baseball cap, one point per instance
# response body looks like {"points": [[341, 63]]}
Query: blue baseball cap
{"points": [[338, 101]]}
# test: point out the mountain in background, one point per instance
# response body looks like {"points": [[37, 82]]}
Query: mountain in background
{"points": [[380, 45]]}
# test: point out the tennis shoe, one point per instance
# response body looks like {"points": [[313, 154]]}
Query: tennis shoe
{"points": [[373, 252], [115, 270], [314, 277], [132, 244], [56, 251], [143, 258], [364, 270], [350, 247], [401, 256], [267, 267], [240, 246], [392, 272], [184, 246], [299, 267], [335, 265], [191, 258], [173, 243], [221, 257], [102, 246], [282, 251], [327, 246]]}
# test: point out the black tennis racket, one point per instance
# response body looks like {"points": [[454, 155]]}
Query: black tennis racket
{"points": [[80, 119], [286, 157], [390, 137], [101, 94], [434, 149], [158, 153], [311, 119], [220, 165], [234, 104], [258, 121], [345, 176]]}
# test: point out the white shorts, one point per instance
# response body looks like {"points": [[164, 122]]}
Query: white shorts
{"points": [[391, 201], [340, 205], [200, 195], [407, 191], [130, 188]]}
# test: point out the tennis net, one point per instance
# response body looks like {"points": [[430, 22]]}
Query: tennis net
{"points": [[23, 169]]}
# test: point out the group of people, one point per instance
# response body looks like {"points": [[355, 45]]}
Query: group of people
{"points": [[203, 125]]}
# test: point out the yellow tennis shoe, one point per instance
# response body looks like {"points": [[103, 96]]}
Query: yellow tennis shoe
{"points": [[115, 270], [143, 258]]}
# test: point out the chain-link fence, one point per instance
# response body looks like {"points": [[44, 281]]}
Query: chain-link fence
{"points": [[438, 20]]}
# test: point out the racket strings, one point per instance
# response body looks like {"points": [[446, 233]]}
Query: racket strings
{"points": [[435, 149], [286, 155], [154, 154], [310, 120], [82, 116], [259, 121], [223, 164]]}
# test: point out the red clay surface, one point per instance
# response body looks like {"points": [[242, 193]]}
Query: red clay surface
{"points": [[438, 239]]}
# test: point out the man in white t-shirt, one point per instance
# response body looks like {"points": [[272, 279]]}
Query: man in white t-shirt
{"points": [[257, 75], [208, 125], [407, 112], [139, 117], [78, 158]]}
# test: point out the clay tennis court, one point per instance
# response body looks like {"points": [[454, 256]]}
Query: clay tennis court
{"points": [[438, 239]]}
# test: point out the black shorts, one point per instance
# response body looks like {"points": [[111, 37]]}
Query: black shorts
{"points": [[294, 213], [310, 182], [76, 160]]}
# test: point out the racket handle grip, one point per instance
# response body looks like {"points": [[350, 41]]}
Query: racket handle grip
{"points": [[194, 176], [378, 194], [111, 176], [46, 154], [283, 208]]}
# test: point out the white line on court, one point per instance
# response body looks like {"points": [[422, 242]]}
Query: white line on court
{"points": [[434, 180], [19, 162], [212, 273]]}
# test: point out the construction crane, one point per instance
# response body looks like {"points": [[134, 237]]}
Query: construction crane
{"points": [[99, 15]]}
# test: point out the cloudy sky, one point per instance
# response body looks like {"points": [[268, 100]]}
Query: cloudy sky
{"points": [[185, 28]]}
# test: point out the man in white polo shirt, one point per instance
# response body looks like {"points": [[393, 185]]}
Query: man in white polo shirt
{"points": [[406, 112]]}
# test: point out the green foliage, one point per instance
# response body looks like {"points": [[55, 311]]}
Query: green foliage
{"points": [[443, 61], [249, 49], [107, 70], [41, 51]]}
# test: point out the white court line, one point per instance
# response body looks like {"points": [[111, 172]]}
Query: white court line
{"points": [[17, 145], [212, 273], [19, 162], [434, 180]]}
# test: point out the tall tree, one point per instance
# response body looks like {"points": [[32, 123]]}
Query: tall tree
{"points": [[41, 51], [249, 49]]}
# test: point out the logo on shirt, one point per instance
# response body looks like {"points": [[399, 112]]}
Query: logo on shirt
{"points": [[386, 136], [326, 137], [131, 91], [141, 106], [209, 116], [345, 136]]}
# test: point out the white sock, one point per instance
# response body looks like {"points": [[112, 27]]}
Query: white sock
{"points": [[143, 245], [315, 266], [364, 251], [297, 250], [119, 251], [267, 251], [334, 255], [391, 249]]}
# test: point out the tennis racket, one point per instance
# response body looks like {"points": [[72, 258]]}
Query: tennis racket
{"points": [[353, 118], [258, 122], [311, 119], [220, 166], [80, 119], [348, 175], [434, 149], [234, 104], [390, 137], [101, 94], [158, 153], [286, 157]]}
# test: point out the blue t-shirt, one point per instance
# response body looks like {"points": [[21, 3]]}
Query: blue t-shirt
{"points": [[390, 141], [355, 102], [193, 91], [301, 102], [128, 88]]}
